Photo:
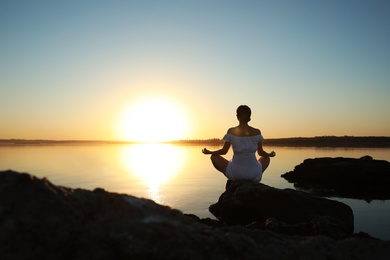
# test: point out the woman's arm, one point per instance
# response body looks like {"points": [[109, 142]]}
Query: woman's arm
{"points": [[261, 152], [222, 151]]}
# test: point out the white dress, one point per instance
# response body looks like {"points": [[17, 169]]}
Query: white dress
{"points": [[244, 165]]}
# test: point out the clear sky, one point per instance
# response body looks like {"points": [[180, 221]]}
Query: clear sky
{"points": [[94, 69]]}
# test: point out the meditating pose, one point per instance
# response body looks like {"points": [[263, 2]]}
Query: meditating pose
{"points": [[245, 140]]}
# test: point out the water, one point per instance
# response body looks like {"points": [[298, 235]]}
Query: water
{"points": [[176, 175]]}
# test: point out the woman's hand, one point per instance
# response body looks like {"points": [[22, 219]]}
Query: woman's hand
{"points": [[206, 151], [221, 151], [272, 154]]}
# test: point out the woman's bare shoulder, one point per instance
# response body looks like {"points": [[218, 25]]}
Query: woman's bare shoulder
{"points": [[232, 130], [237, 131], [255, 131]]}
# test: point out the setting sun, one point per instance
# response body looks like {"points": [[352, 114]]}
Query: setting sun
{"points": [[153, 119]]}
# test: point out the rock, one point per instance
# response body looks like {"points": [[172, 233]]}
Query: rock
{"points": [[319, 226], [301, 229], [362, 178], [39, 220], [329, 226], [246, 202]]}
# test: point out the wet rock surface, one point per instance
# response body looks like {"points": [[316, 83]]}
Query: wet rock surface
{"points": [[363, 178], [39, 220]]}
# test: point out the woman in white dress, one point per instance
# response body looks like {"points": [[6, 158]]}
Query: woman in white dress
{"points": [[245, 141]]}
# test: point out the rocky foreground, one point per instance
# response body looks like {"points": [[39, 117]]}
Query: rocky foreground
{"points": [[39, 220]]}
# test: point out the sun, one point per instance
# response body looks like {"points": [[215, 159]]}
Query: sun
{"points": [[153, 119]]}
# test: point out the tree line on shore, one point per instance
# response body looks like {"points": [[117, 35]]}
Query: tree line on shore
{"points": [[318, 141]]}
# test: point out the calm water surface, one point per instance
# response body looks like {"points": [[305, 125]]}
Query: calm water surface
{"points": [[176, 175]]}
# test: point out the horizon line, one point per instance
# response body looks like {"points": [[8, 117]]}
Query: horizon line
{"points": [[177, 140]]}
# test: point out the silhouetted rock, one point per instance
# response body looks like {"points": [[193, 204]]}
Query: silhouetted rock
{"points": [[362, 178], [319, 226], [39, 220], [246, 202], [301, 229]]}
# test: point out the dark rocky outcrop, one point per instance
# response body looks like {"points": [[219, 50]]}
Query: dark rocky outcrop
{"points": [[288, 211], [39, 220], [362, 178]]}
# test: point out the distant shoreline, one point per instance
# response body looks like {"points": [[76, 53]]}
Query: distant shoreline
{"points": [[318, 141], [332, 141]]}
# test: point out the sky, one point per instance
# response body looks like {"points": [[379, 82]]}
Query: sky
{"points": [[81, 69]]}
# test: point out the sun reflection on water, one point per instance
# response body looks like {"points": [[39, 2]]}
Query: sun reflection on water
{"points": [[154, 165]]}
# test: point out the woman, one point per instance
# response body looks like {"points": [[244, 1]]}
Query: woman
{"points": [[245, 140]]}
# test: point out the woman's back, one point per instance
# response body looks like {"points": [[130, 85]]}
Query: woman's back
{"points": [[245, 141], [244, 144], [244, 165]]}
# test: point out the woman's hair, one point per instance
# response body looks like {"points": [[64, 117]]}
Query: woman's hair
{"points": [[244, 113]]}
